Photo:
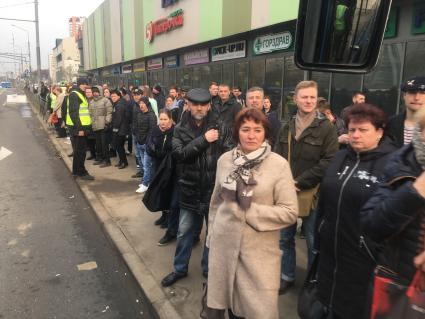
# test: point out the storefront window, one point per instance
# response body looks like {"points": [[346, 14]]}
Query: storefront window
{"points": [[291, 76], [215, 74], [241, 75], [273, 80], [256, 73], [228, 74], [322, 80], [382, 84], [204, 81], [343, 87], [184, 77], [414, 65], [196, 76]]}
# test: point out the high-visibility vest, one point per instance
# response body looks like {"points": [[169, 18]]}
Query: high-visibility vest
{"points": [[339, 22], [85, 118], [52, 100]]}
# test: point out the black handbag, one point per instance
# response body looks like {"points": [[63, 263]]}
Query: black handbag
{"points": [[160, 191], [309, 306]]}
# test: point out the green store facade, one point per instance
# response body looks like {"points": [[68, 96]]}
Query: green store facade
{"points": [[246, 43]]}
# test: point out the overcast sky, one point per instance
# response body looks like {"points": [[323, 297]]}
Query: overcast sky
{"points": [[53, 17]]}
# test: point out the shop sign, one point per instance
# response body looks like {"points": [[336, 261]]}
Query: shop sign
{"points": [[116, 70], [418, 18], [196, 57], [228, 51], [171, 61], [167, 3], [127, 68], [105, 72], [154, 64], [173, 21], [273, 42], [391, 29], [139, 66]]}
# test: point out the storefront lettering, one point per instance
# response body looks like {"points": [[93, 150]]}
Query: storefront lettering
{"points": [[173, 21], [228, 51], [274, 42]]}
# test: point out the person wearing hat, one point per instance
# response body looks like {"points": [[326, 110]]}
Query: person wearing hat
{"points": [[144, 124], [101, 113], [158, 95], [79, 122], [400, 127], [199, 140]]}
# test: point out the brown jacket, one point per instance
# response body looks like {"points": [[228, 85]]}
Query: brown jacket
{"points": [[244, 256]]}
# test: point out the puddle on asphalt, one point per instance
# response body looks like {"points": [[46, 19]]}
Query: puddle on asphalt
{"points": [[25, 111]]}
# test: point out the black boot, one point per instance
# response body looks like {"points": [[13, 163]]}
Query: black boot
{"points": [[161, 219]]}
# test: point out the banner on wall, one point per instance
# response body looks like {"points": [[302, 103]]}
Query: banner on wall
{"points": [[171, 61], [173, 21], [139, 66], [154, 64], [196, 57], [228, 51], [273, 42], [127, 68]]}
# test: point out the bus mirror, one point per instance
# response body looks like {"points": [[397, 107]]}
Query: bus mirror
{"points": [[340, 35]]}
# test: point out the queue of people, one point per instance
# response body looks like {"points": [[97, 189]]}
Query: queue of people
{"points": [[356, 183]]}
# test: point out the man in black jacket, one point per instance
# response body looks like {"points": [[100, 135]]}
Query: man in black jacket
{"points": [[159, 97], [400, 127], [137, 94], [79, 122], [198, 141], [226, 106], [145, 122], [120, 127]]}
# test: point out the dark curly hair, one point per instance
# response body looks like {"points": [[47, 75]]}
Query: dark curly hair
{"points": [[364, 112]]}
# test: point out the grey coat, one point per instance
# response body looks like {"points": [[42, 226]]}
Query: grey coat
{"points": [[101, 112]]}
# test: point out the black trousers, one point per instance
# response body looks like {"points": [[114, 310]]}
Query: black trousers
{"points": [[80, 149], [60, 131], [232, 316], [119, 146], [102, 149], [91, 144], [130, 143]]}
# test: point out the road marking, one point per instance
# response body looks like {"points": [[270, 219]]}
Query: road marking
{"points": [[4, 152], [87, 266], [16, 99]]}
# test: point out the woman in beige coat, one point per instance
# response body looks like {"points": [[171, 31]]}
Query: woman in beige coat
{"points": [[254, 197], [57, 108]]}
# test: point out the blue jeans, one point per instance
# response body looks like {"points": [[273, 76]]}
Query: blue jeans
{"points": [[174, 213], [137, 155], [146, 163], [287, 245], [189, 223]]}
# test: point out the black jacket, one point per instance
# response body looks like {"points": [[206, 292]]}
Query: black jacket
{"points": [[312, 153], [395, 214], [395, 128], [74, 112], [120, 123], [135, 111], [345, 264], [227, 111], [160, 100], [197, 159], [145, 122], [275, 126], [159, 142]]}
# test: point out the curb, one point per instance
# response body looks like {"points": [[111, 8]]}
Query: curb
{"points": [[135, 263]]}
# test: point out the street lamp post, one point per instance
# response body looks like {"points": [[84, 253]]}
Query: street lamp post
{"points": [[29, 45]]}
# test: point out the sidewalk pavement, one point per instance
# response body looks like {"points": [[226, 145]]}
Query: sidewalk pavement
{"points": [[131, 228]]}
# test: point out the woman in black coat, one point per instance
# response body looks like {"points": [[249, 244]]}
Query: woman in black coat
{"points": [[120, 126], [347, 258], [395, 214]]}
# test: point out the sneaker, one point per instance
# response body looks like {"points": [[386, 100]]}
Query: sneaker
{"points": [[86, 177], [142, 189], [166, 239]]}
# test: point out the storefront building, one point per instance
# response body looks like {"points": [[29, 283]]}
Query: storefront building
{"points": [[245, 43]]}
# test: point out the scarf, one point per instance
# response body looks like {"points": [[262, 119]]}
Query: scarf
{"points": [[301, 123], [419, 146], [238, 186]]}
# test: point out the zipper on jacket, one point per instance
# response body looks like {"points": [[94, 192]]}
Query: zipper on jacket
{"points": [[337, 226], [363, 243], [163, 143]]}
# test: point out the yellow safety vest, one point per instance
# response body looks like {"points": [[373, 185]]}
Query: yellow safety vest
{"points": [[52, 100], [339, 22], [85, 118]]}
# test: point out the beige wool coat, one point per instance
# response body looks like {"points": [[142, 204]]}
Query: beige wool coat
{"points": [[244, 255]]}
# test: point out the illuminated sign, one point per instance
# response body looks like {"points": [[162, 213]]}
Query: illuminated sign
{"points": [[173, 21], [126, 68], [171, 61], [154, 64], [196, 57], [139, 66], [273, 42], [228, 51]]}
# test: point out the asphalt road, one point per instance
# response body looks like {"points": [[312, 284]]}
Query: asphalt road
{"points": [[48, 230]]}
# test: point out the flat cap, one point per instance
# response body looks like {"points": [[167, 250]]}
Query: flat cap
{"points": [[414, 84], [199, 95], [81, 81]]}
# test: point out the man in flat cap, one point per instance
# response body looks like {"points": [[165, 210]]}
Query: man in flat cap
{"points": [[79, 121], [400, 127], [198, 142]]}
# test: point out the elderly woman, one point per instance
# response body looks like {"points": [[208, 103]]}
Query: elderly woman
{"points": [[347, 258], [254, 197], [395, 214]]}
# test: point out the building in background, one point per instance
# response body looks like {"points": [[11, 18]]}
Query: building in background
{"points": [[66, 55], [239, 42], [76, 27], [52, 68]]}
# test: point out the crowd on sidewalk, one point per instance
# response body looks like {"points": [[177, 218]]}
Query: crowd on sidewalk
{"points": [[219, 156]]}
